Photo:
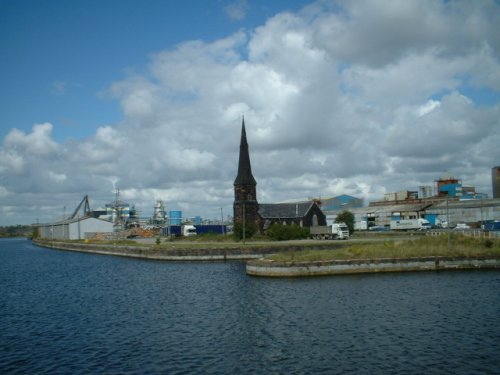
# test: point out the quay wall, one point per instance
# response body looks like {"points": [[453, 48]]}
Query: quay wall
{"points": [[268, 268], [239, 252]]}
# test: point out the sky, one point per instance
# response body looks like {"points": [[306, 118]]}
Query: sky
{"points": [[339, 97]]}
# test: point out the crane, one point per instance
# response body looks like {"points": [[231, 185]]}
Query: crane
{"points": [[86, 208]]}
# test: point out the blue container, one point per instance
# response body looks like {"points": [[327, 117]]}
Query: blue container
{"points": [[172, 230], [175, 217], [211, 228]]}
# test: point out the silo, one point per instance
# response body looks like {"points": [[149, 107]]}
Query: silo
{"points": [[495, 180], [175, 217]]}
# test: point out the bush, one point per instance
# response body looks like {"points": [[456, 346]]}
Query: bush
{"points": [[488, 243], [279, 232], [250, 230]]}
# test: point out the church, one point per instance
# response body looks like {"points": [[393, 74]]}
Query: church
{"points": [[248, 211]]}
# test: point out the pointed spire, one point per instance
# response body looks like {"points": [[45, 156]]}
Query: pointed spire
{"points": [[245, 176]]}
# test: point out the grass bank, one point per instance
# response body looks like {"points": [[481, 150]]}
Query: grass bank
{"points": [[421, 247]]}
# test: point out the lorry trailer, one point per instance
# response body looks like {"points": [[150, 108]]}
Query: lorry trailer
{"points": [[410, 224], [335, 231]]}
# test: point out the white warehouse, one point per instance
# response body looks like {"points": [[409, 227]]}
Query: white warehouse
{"points": [[75, 229]]}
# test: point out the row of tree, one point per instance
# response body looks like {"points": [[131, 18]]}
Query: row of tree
{"points": [[16, 231]]}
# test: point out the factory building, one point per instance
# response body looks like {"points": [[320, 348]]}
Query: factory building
{"points": [[340, 203], [74, 229], [448, 187], [472, 212], [495, 180], [113, 211], [381, 216]]}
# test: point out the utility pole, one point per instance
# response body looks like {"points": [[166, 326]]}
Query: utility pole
{"points": [[244, 219], [448, 223], [222, 221]]}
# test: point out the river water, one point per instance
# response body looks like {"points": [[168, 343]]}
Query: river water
{"points": [[71, 313]]}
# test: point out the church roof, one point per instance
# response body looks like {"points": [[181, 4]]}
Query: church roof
{"points": [[284, 210], [244, 176]]}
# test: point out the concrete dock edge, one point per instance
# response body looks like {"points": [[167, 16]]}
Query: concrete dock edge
{"points": [[267, 268]]}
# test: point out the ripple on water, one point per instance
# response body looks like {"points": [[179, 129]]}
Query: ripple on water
{"points": [[78, 313]]}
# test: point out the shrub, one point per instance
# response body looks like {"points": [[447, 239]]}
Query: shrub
{"points": [[250, 230], [279, 232], [488, 243]]}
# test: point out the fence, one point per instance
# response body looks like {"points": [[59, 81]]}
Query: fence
{"points": [[475, 233]]}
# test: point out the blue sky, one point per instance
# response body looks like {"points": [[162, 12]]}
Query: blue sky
{"points": [[60, 57], [362, 98]]}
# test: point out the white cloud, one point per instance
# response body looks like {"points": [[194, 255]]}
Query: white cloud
{"points": [[39, 142], [428, 107]]}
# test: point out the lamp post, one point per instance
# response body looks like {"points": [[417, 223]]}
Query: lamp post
{"points": [[448, 223]]}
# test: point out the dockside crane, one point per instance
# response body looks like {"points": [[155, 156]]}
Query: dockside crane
{"points": [[86, 208]]}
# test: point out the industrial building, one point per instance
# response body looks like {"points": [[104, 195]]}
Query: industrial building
{"points": [[495, 181], [340, 203], [113, 211], [74, 229], [471, 212]]}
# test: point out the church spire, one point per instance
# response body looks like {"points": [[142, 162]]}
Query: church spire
{"points": [[244, 176], [245, 206]]}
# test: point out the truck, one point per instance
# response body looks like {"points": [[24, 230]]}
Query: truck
{"points": [[180, 230], [410, 224], [334, 231]]}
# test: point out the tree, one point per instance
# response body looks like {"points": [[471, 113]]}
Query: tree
{"points": [[346, 217], [250, 230]]}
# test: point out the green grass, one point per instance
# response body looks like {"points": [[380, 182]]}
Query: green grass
{"points": [[460, 246]]}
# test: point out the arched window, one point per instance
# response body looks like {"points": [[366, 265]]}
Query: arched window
{"points": [[315, 220]]}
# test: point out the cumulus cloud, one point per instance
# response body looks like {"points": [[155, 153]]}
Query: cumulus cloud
{"points": [[39, 142], [358, 98]]}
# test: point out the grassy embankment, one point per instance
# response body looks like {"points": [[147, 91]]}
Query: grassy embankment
{"points": [[460, 246], [204, 241], [311, 251]]}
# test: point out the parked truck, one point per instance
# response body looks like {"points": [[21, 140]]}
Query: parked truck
{"points": [[336, 231], [180, 230], [410, 224]]}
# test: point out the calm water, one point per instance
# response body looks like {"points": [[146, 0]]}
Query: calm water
{"points": [[70, 313]]}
